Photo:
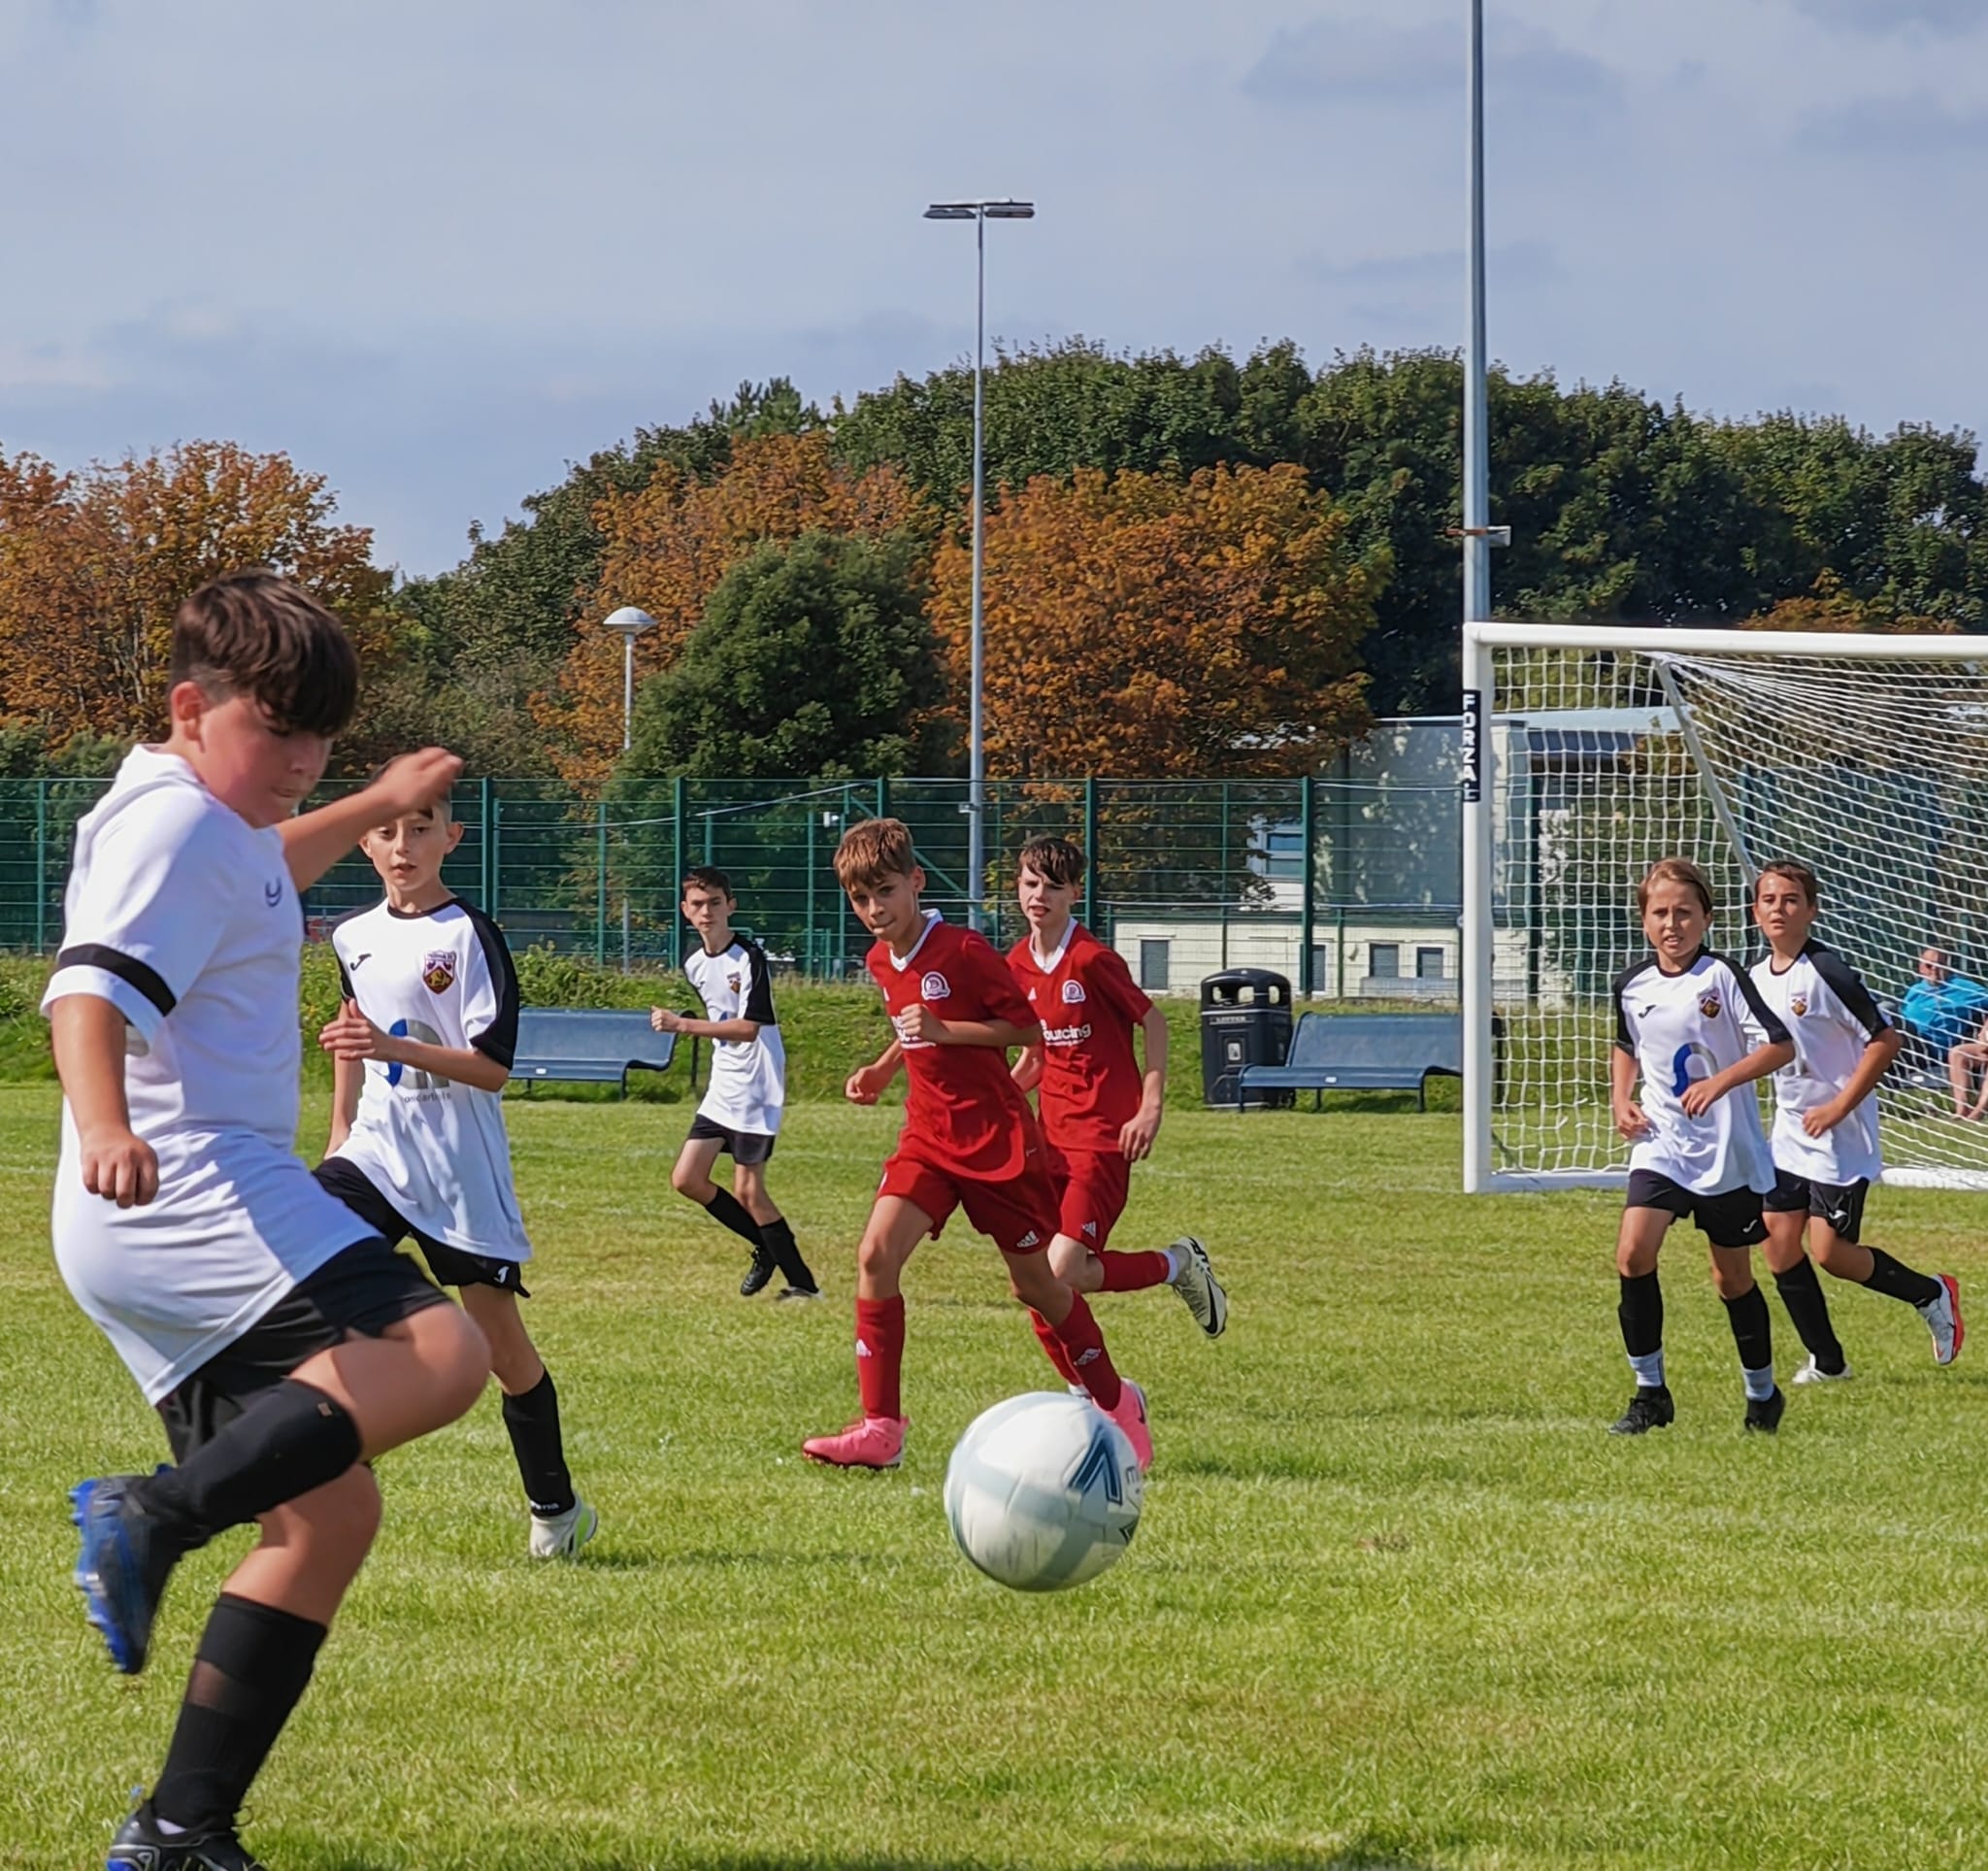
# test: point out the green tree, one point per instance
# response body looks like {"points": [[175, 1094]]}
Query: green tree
{"points": [[813, 661]]}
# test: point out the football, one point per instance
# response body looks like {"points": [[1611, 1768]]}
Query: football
{"points": [[1042, 1491]]}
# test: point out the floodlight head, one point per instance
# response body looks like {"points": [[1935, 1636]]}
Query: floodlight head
{"points": [[628, 621], [1004, 210]]}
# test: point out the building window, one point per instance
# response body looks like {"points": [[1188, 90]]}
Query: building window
{"points": [[1277, 849], [1154, 963], [1428, 964], [1318, 974], [1384, 960]]}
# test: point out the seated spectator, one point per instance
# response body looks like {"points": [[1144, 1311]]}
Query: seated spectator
{"points": [[1943, 1011]]}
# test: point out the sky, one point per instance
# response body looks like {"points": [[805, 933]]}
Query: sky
{"points": [[437, 249]]}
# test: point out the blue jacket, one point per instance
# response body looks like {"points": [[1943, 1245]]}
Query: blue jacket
{"points": [[1947, 1014]]}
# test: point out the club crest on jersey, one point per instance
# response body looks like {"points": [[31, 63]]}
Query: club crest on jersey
{"points": [[732, 981], [1709, 1005], [1073, 991], [438, 970], [1797, 1005], [934, 987]]}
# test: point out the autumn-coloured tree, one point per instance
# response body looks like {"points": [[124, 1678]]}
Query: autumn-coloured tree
{"points": [[1827, 607], [1141, 626], [673, 541], [93, 565]]}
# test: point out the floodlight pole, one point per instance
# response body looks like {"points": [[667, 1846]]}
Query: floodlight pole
{"points": [[628, 623], [1477, 399], [978, 212]]}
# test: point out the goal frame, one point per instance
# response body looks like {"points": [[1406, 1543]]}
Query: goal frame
{"points": [[1479, 779]]}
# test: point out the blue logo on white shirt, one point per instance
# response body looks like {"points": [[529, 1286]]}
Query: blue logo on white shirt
{"points": [[1682, 1074]]}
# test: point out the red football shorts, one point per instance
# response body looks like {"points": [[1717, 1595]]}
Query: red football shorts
{"points": [[1018, 1214], [1091, 1191]]}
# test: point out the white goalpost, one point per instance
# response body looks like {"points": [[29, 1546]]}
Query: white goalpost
{"points": [[1590, 752]]}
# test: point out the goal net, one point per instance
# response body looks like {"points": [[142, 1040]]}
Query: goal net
{"points": [[1590, 754]]}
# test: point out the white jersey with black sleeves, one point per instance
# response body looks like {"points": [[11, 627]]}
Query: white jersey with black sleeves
{"points": [[436, 1148], [183, 916], [1831, 1017], [748, 1078], [1690, 1025]]}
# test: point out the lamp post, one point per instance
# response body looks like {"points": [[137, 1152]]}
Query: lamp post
{"points": [[1478, 535], [980, 213], [628, 623]]}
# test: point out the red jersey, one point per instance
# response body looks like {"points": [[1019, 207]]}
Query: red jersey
{"points": [[964, 1112], [1088, 1003]]}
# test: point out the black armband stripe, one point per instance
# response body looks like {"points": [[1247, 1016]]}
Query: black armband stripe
{"points": [[128, 968]]}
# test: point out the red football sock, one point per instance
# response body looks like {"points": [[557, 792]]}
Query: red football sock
{"points": [[1085, 1346], [1127, 1273], [880, 1355], [1053, 1344]]}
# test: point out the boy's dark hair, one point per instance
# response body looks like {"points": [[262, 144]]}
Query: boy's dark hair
{"points": [[707, 877], [254, 634], [1799, 875], [1056, 861], [1674, 870], [874, 850]]}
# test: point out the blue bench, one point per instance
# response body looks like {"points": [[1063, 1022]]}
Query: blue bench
{"points": [[589, 1045], [1364, 1052]]}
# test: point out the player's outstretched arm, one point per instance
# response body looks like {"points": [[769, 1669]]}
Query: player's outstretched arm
{"points": [[667, 1019], [919, 1023], [314, 841], [88, 1035], [352, 1037]]}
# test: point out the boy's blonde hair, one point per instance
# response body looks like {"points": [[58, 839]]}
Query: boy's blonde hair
{"points": [[874, 850], [1674, 870]]}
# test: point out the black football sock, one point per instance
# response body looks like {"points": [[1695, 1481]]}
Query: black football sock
{"points": [[726, 1207], [252, 1664], [780, 1243], [1753, 1335], [1897, 1280], [1641, 1311], [533, 1418], [290, 1440], [1802, 1293]]}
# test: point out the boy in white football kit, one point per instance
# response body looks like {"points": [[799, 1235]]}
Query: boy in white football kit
{"points": [[1825, 1136], [423, 1045], [740, 1114], [1685, 1024], [283, 1343]]}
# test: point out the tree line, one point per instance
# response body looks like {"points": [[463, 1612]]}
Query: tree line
{"points": [[1194, 565]]}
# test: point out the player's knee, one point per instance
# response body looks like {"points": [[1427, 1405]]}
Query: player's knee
{"points": [[1731, 1282], [877, 1259], [1834, 1254], [693, 1182], [1067, 1258], [1034, 1281]]}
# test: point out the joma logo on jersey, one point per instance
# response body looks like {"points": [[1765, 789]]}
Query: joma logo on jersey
{"points": [[934, 987], [1073, 991], [1709, 1005], [438, 970]]}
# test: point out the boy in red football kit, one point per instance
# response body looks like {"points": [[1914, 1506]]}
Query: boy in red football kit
{"points": [[968, 1140], [1100, 1114]]}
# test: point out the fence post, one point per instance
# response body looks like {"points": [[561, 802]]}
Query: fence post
{"points": [[1090, 852], [1223, 885], [808, 965], [496, 856], [883, 797], [601, 881], [483, 873], [41, 865], [676, 861], [1308, 978]]}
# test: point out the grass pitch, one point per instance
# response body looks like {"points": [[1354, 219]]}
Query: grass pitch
{"points": [[1397, 1601]]}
